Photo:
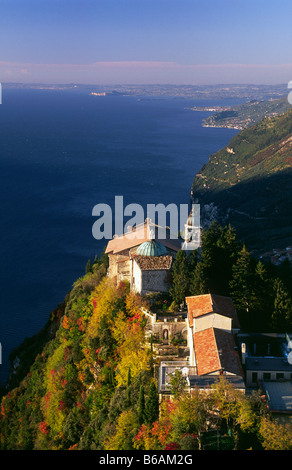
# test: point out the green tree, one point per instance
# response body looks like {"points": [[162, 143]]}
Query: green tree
{"points": [[88, 268], [263, 297], [202, 279], [285, 274], [233, 407], [106, 341], [152, 405], [190, 416], [73, 427], [242, 287], [228, 240], [177, 384], [193, 259], [126, 430], [200, 283], [282, 311], [219, 252], [141, 406], [180, 281]]}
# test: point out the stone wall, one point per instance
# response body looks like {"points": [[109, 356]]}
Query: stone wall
{"points": [[166, 328], [155, 281], [120, 266]]}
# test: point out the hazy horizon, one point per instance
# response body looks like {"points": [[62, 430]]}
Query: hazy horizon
{"points": [[134, 73], [146, 42]]}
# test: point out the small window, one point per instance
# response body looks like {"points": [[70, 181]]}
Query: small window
{"points": [[266, 376], [254, 377]]}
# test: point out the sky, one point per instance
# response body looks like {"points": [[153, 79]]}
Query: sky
{"points": [[110, 42]]}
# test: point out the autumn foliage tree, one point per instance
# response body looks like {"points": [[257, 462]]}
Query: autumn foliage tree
{"points": [[92, 382], [190, 416], [275, 436]]}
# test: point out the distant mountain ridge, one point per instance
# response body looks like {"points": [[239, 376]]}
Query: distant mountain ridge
{"points": [[248, 184]]}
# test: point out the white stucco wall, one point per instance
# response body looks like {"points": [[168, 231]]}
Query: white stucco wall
{"points": [[192, 358], [136, 278]]}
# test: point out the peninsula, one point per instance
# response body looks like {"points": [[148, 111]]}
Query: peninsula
{"points": [[245, 115]]}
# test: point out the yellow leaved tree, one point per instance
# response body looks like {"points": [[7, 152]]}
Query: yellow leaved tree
{"points": [[104, 299], [129, 333]]}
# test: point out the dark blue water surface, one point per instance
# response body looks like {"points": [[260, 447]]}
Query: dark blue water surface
{"points": [[61, 153]]}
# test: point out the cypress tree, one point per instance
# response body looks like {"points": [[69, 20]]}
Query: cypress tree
{"points": [[200, 283], [205, 275], [88, 268], [282, 314], [180, 283], [219, 252], [141, 409], [152, 405], [263, 288], [242, 287]]}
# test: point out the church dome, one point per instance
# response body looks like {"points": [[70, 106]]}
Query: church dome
{"points": [[151, 248]]}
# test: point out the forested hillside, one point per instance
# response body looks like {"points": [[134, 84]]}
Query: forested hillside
{"points": [[248, 184], [247, 114], [88, 381]]}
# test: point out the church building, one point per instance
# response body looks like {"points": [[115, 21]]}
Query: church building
{"points": [[143, 258]]}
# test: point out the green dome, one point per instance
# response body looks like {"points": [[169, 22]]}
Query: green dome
{"points": [[151, 248]]}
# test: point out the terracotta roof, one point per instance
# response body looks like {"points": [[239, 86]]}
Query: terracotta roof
{"points": [[151, 263], [127, 241], [139, 235], [215, 351], [210, 303]]}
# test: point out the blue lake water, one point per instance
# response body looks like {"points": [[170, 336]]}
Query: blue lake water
{"points": [[61, 153]]}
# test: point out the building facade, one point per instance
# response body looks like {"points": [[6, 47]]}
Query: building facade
{"points": [[142, 258], [211, 325]]}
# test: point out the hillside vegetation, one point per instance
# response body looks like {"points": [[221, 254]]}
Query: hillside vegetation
{"points": [[248, 184], [247, 114], [88, 381]]}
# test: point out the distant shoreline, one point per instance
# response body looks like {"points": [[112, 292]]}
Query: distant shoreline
{"points": [[239, 128]]}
